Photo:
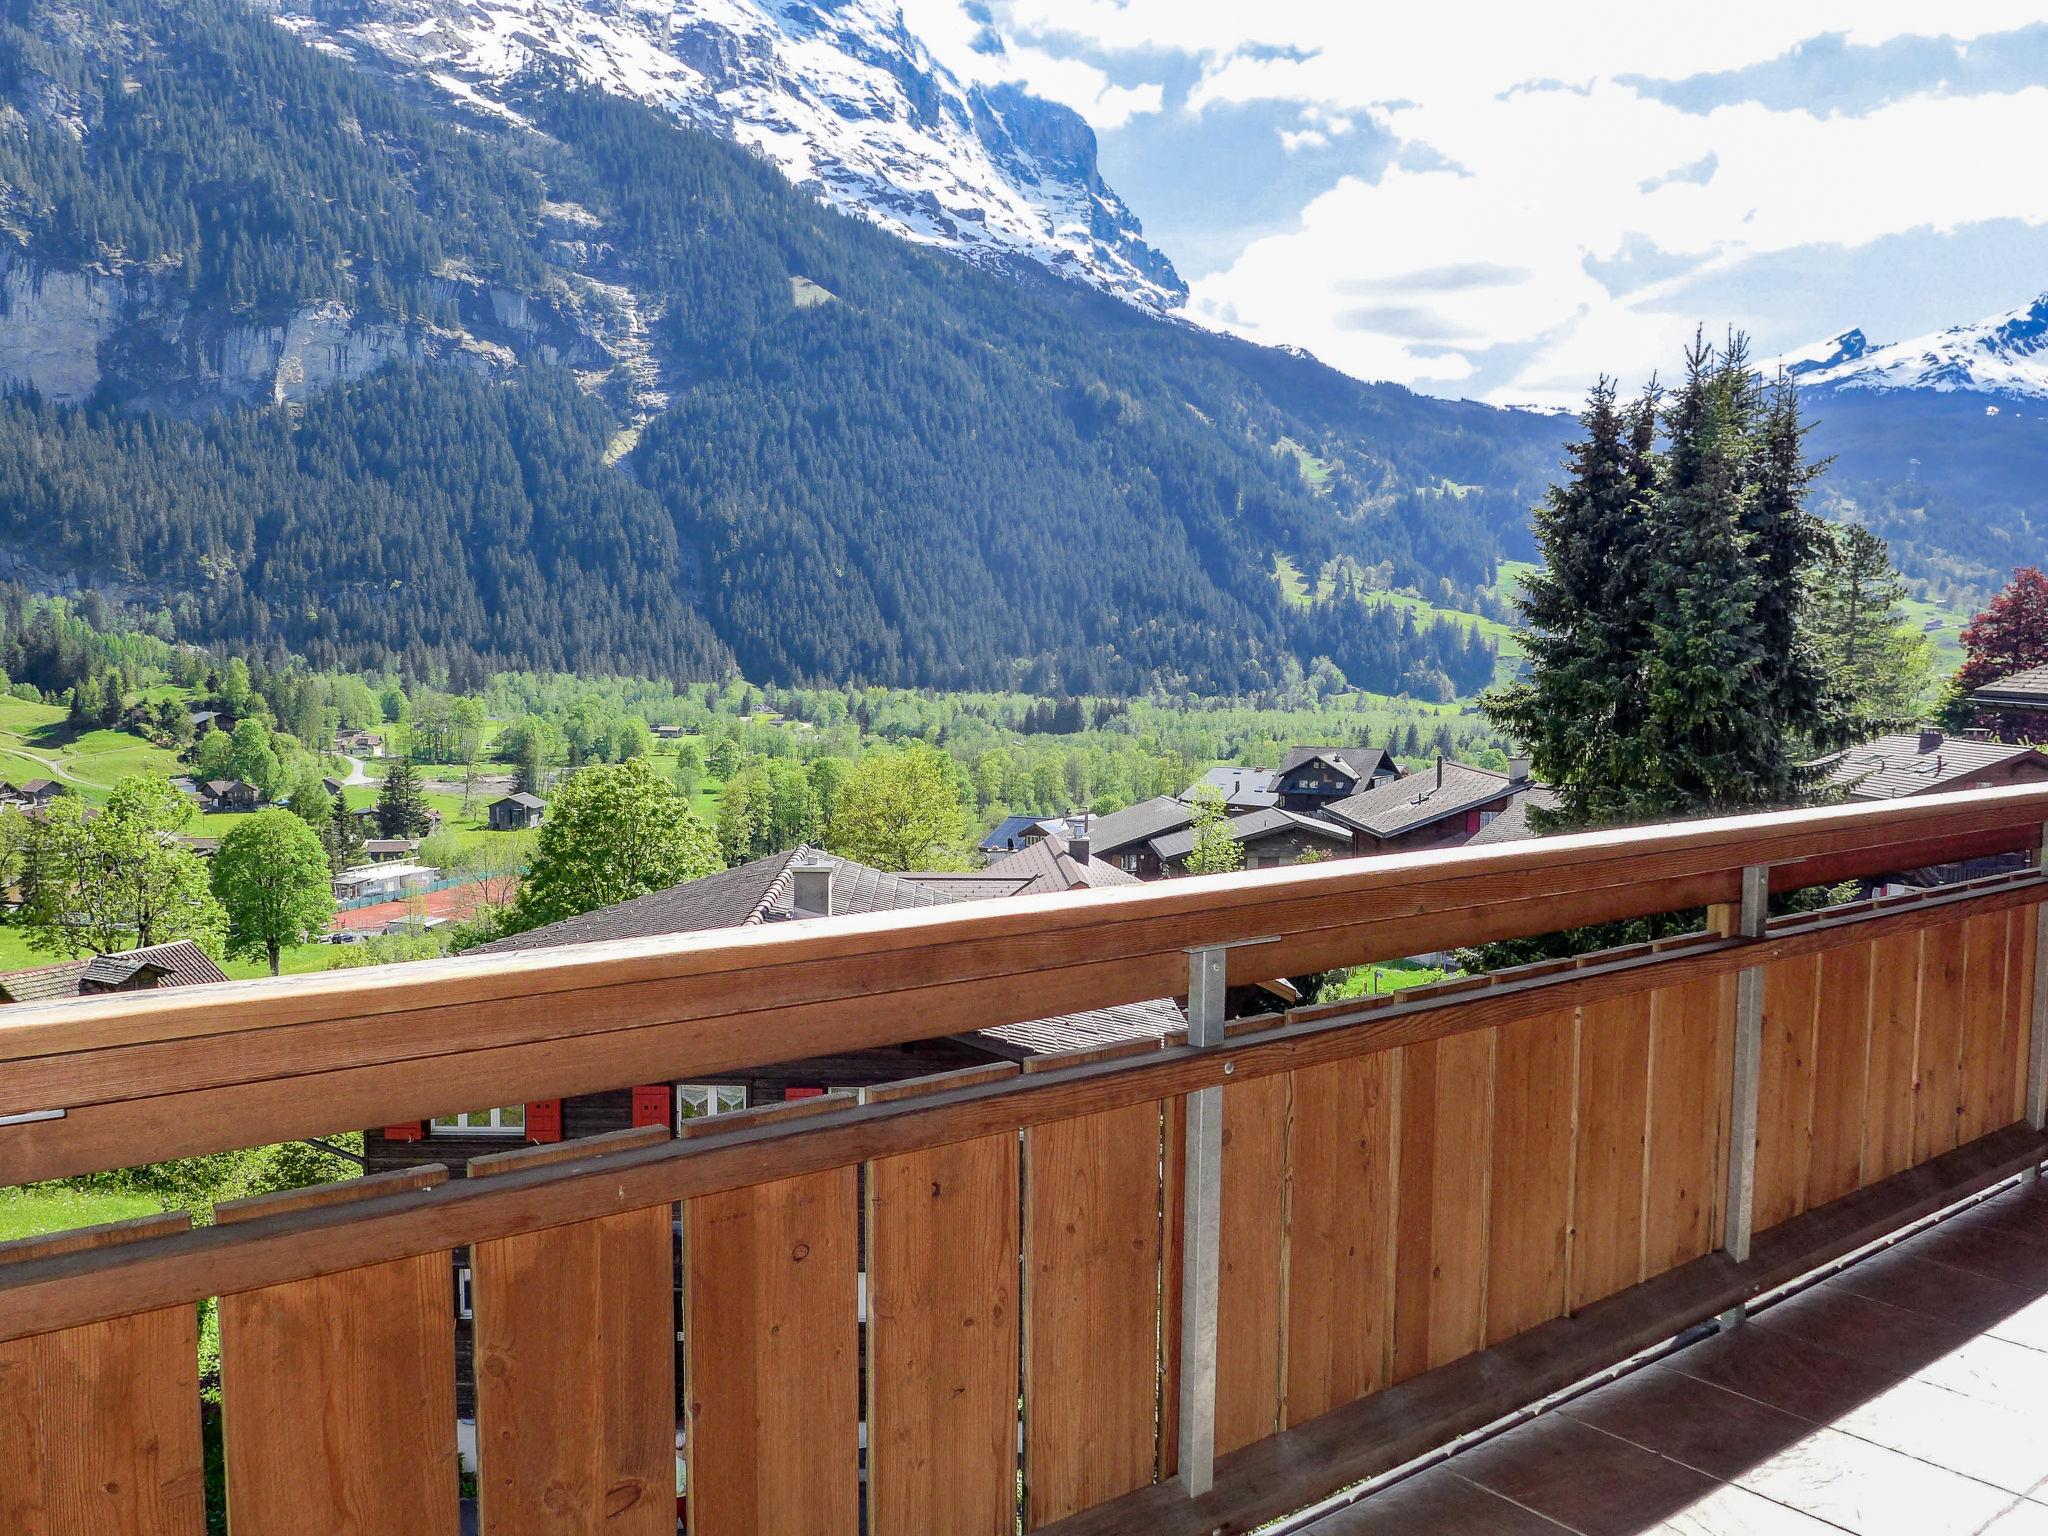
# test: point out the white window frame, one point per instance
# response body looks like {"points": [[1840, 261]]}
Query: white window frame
{"points": [[482, 1122], [465, 1294], [705, 1099]]}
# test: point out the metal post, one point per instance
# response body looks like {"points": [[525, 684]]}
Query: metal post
{"points": [[1201, 1232], [1747, 1071], [2037, 1044]]}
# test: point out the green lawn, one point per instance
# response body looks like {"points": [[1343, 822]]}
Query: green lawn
{"points": [[58, 1208]]}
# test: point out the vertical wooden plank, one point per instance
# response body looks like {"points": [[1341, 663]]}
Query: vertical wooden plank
{"points": [[338, 1402], [1841, 1066], [575, 1393], [2019, 1004], [1251, 1302], [771, 1356], [943, 1339], [1985, 1049], [1535, 1085], [1092, 1192], [1784, 1119], [1607, 1198], [1936, 1067], [1442, 1196], [1340, 1153], [1889, 1098], [1691, 1036], [99, 1425]]}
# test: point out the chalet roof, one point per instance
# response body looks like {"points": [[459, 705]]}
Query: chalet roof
{"points": [[523, 799], [1512, 824], [1052, 867], [179, 963], [2026, 690], [1138, 823], [1241, 788], [1418, 799], [36, 786], [1917, 763], [1360, 762], [219, 787], [1008, 832], [978, 886], [391, 845], [759, 892], [1252, 827]]}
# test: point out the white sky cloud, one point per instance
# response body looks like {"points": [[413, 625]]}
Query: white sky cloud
{"points": [[1522, 149]]}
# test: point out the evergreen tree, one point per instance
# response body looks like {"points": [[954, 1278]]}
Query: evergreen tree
{"points": [[401, 803], [1879, 666]]}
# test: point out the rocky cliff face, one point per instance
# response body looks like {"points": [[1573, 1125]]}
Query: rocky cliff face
{"points": [[841, 96]]}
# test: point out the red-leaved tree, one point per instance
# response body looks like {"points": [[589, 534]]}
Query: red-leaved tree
{"points": [[2009, 636]]}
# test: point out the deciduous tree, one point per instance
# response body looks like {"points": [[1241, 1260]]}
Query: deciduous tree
{"points": [[270, 876]]}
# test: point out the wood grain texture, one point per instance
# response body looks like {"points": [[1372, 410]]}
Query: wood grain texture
{"points": [[575, 1378], [1251, 1302], [1692, 1033], [1442, 1197], [1784, 1113], [1092, 1289], [943, 1338], [1841, 1071], [1607, 1198], [1340, 1232], [1529, 1225], [338, 1402], [771, 1351], [1985, 1057], [1937, 1105], [1890, 1096], [2020, 1004], [99, 1424]]}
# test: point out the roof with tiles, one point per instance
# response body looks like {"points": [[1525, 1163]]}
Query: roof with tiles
{"points": [[1139, 823], [1250, 827], [1051, 866], [1918, 763], [1418, 799]]}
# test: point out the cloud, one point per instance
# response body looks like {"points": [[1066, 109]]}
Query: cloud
{"points": [[1555, 188]]}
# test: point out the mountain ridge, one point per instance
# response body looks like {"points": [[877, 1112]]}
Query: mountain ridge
{"points": [[2005, 355]]}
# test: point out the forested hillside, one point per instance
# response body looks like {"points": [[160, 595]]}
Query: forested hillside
{"points": [[808, 446]]}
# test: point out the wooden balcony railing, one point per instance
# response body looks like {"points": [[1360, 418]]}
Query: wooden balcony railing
{"points": [[1279, 1255]]}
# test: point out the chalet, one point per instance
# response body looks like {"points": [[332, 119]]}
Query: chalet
{"points": [[229, 795], [390, 850], [670, 732], [1932, 762], [30, 795], [180, 963], [1055, 863], [1513, 824], [787, 887], [205, 722], [1242, 789], [1124, 838], [1438, 807], [1015, 832], [383, 882], [1310, 778], [353, 743], [518, 812], [1270, 838], [334, 787]]}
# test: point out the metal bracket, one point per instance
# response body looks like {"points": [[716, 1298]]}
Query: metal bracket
{"points": [[32, 1117], [2037, 1043], [1746, 1071], [1202, 1228]]}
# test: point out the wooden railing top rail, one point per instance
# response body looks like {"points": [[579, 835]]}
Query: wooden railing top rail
{"points": [[267, 1246], [150, 1076]]}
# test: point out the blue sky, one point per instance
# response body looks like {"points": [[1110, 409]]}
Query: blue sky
{"points": [[1503, 201]]}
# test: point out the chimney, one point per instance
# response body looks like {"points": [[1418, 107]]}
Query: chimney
{"points": [[1930, 738], [1518, 770], [1439, 770], [810, 887], [1077, 848]]}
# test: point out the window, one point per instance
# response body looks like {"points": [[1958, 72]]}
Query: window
{"points": [[1488, 818], [509, 1121], [695, 1101]]}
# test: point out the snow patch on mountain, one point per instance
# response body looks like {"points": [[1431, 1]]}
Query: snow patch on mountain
{"points": [[2005, 355], [841, 96]]}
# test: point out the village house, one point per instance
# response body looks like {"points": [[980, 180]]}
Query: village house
{"points": [[30, 795], [1270, 838], [1241, 789], [1438, 807], [1124, 838], [229, 795], [518, 812], [180, 963], [1310, 778], [1930, 761], [1055, 863], [205, 722], [355, 743], [383, 882], [390, 850]]}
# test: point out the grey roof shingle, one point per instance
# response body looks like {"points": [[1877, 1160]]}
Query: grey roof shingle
{"points": [[1894, 766], [1249, 828], [179, 963], [980, 886], [1417, 799], [1138, 823], [1361, 762], [2026, 690], [1512, 824], [1242, 788], [1052, 868]]}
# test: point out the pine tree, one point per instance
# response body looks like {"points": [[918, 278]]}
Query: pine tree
{"points": [[1878, 667], [401, 804]]}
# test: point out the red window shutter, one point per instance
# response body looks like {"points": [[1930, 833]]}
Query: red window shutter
{"points": [[802, 1093], [412, 1130], [650, 1104], [544, 1120]]}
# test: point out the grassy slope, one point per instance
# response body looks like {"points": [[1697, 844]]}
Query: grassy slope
{"points": [[56, 1208]]}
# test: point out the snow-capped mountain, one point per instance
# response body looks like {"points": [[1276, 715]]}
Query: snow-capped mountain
{"points": [[2005, 355], [839, 94]]}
